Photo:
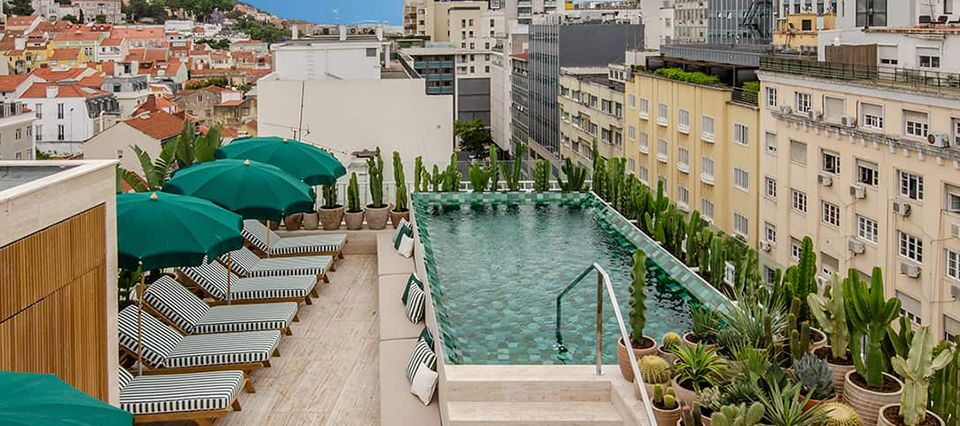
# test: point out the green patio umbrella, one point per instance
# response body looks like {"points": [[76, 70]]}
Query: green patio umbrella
{"points": [[251, 189], [31, 399], [302, 160], [157, 230]]}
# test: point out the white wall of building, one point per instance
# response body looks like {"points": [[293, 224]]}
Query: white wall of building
{"points": [[904, 48], [350, 60], [353, 115], [500, 85], [77, 125]]}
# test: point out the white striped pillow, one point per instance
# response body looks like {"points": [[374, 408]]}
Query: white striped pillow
{"points": [[405, 248], [415, 304], [422, 354], [424, 384]]}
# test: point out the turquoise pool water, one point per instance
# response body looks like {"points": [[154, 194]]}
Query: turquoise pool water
{"points": [[497, 269]]}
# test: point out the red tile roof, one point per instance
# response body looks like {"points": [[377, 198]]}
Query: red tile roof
{"points": [[20, 21], [232, 103], [73, 90], [9, 83], [112, 41], [58, 74], [64, 54], [77, 36], [94, 81], [158, 124], [141, 33], [155, 103]]}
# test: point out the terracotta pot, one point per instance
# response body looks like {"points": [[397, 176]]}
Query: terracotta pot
{"points": [[311, 221], [819, 342], [354, 220], [684, 395], [704, 419], [331, 218], [883, 421], [396, 216], [813, 402], [649, 388], [377, 217], [666, 417], [624, 359], [839, 371], [292, 222], [687, 339], [866, 402], [668, 356]]}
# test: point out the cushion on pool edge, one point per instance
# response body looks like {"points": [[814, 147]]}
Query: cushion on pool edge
{"points": [[401, 231], [410, 281], [424, 383], [406, 246], [427, 337], [415, 304], [422, 354]]}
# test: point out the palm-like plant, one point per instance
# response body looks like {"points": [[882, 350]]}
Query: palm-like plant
{"points": [[699, 367], [192, 149], [786, 406], [156, 172]]}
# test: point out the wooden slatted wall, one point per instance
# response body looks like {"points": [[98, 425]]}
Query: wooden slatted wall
{"points": [[53, 302]]}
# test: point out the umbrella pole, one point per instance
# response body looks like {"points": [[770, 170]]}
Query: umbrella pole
{"points": [[230, 273], [268, 238], [139, 323]]}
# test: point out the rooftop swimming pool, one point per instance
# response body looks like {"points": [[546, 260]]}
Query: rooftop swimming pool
{"points": [[496, 268]]}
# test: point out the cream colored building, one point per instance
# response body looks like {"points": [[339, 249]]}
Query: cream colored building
{"points": [[870, 171], [800, 31], [702, 142], [591, 108], [469, 25]]}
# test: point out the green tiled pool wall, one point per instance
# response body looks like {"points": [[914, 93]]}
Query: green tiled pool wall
{"points": [[625, 233]]}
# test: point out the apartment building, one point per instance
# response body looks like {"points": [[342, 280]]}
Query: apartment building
{"points": [[740, 21], [16, 132], [702, 142], [690, 20], [591, 108], [800, 31], [867, 168], [519, 97], [67, 114]]}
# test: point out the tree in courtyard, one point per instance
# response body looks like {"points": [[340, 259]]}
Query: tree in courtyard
{"points": [[474, 137], [18, 7], [70, 18]]}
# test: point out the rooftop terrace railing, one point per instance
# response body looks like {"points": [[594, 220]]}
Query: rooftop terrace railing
{"points": [[915, 79]]}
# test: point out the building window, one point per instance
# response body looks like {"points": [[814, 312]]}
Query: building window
{"points": [[770, 187], [804, 102], [909, 307], [799, 201], [871, 116], [643, 174], [18, 134], [683, 158], [866, 229], [631, 164], [60, 111], [871, 13], [741, 179], [910, 247], [60, 132], [632, 101], [662, 153], [706, 128], [770, 143], [706, 168], [795, 248], [683, 120], [888, 55], [831, 162], [798, 152], [706, 209], [915, 123], [741, 225], [911, 185], [829, 213], [39, 110], [741, 134], [867, 173], [769, 233], [955, 131], [39, 132], [953, 199], [772, 97], [644, 142], [644, 108], [632, 133], [953, 264], [928, 57], [662, 112], [683, 197]]}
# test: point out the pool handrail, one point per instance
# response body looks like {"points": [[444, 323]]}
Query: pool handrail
{"points": [[603, 282]]}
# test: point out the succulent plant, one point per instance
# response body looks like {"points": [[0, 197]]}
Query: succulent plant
{"points": [[799, 334], [451, 176], [869, 314], [329, 196], [512, 176], [840, 414], [815, 376], [479, 177], [541, 176], [691, 416], [375, 171], [576, 176], [417, 172], [654, 369], [710, 399], [494, 169], [704, 323], [353, 194], [945, 386], [670, 340], [664, 398], [831, 315], [401, 183], [638, 297], [738, 415], [917, 372], [699, 367], [436, 179]]}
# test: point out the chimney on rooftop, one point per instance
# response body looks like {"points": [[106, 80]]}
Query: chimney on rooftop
{"points": [[52, 91], [343, 32]]}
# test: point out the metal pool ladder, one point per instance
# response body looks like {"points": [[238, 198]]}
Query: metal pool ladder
{"points": [[603, 282]]}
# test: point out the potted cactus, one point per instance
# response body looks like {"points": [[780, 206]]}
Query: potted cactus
{"points": [[655, 371], [917, 371], [868, 387], [815, 378], [376, 212], [665, 407], [690, 415], [840, 414], [293, 222], [640, 345], [668, 344], [331, 212], [354, 214], [400, 210], [738, 415], [697, 368], [830, 312], [710, 400], [311, 220], [704, 325]]}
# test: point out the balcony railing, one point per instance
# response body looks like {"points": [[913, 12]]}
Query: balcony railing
{"points": [[930, 81], [748, 97]]}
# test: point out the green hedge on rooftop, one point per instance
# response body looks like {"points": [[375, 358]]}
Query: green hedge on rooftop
{"points": [[689, 77]]}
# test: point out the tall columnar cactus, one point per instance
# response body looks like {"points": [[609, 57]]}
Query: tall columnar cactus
{"points": [[738, 415], [512, 176], [638, 297], [436, 179], [691, 416], [375, 173], [717, 261], [401, 183], [917, 372], [945, 387], [868, 314], [693, 231], [831, 315], [452, 176], [799, 333], [803, 277], [329, 196], [479, 177], [353, 194], [599, 171], [541, 176], [576, 176], [614, 180], [494, 169], [417, 172], [898, 341]]}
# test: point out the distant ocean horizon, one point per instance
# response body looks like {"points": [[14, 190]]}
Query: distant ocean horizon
{"points": [[334, 11]]}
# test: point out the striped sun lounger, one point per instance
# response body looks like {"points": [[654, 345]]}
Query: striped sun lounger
{"points": [[258, 235], [191, 315], [165, 348], [246, 263], [212, 279], [201, 397]]}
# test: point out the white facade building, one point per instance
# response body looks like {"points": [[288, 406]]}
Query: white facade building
{"points": [[343, 57], [67, 114], [16, 132]]}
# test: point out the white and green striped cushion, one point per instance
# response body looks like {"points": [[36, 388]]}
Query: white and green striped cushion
{"points": [[159, 340], [179, 393], [404, 230], [415, 304], [247, 264], [257, 233], [422, 354], [168, 297], [212, 277]]}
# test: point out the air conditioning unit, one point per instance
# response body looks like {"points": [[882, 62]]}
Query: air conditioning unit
{"points": [[955, 291], [766, 246], [848, 121], [786, 109], [856, 247], [825, 179], [955, 230], [858, 192], [901, 208], [938, 140], [814, 115], [910, 270]]}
